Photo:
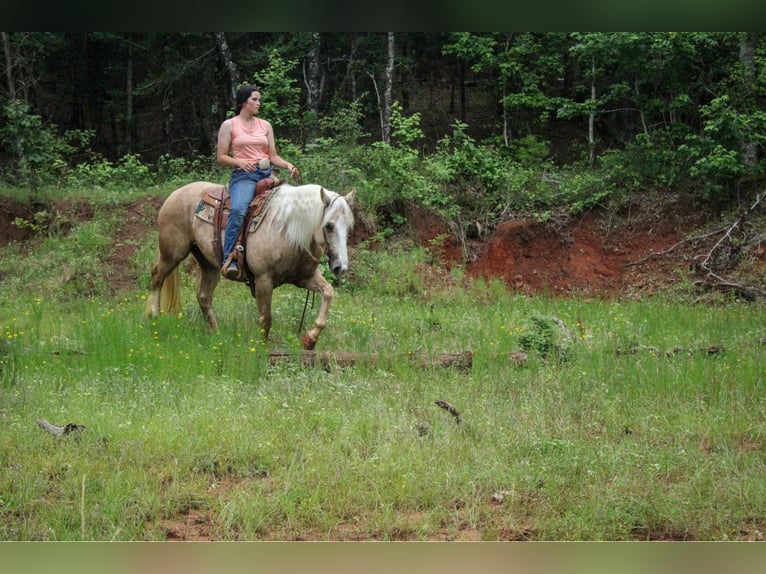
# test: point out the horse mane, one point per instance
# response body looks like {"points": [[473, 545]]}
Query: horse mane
{"points": [[297, 212]]}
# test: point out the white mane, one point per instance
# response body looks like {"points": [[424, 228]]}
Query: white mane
{"points": [[297, 212]]}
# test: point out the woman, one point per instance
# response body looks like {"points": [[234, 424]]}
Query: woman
{"points": [[245, 143]]}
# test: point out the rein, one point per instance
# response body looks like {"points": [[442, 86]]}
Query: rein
{"points": [[305, 306]]}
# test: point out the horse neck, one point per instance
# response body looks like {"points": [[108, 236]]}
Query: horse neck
{"points": [[298, 213]]}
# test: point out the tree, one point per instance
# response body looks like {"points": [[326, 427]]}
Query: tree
{"points": [[389, 84], [313, 78], [228, 63], [748, 147]]}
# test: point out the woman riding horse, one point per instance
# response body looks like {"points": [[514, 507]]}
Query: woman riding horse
{"points": [[245, 143]]}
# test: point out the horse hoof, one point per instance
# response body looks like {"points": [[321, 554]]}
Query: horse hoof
{"points": [[308, 343]]}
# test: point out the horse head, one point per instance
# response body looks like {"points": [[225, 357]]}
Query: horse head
{"points": [[337, 223]]}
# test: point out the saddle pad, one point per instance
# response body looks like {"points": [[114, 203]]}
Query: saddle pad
{"points": [[204, 211], [206, 207]]}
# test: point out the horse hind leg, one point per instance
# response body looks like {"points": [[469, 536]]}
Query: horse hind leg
{"points": [[211, 275]]}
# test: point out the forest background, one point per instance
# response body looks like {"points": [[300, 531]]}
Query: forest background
{"points": [[476, 125]]}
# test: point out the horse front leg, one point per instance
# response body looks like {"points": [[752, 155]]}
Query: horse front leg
{"points": [[318, 283]]}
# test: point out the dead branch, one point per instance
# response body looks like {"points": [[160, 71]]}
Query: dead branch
{"points": [[449, 408], [673, 247], [730, 230], [56, 430], [563, 328], [712, 279], [749, 292]]}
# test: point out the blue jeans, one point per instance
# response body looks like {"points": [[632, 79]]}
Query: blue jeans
{"points": [[242, 190]]}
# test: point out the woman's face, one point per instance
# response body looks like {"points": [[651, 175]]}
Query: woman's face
{"points": [[253, 103]]}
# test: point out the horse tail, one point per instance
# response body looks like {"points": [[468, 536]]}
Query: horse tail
{"points": [[170, 295]]}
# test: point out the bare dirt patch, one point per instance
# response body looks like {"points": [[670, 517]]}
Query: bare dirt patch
{"points": [[599, 253], [581, 257]]}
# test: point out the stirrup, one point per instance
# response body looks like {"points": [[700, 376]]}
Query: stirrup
{"points": [[231, 271]]}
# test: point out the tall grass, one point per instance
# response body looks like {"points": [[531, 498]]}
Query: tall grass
{"points": [[626, 429]]}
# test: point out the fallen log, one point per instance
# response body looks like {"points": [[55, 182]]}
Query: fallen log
{"points": [[57, 430], [710, 350], [327, 359]]}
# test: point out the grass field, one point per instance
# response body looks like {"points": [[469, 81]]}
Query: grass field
{"points": [[622, 420]]}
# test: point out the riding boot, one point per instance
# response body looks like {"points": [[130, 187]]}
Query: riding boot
{"points": [[230, 269]]}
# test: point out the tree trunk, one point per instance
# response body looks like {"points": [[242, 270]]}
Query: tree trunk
{"points": [[12, 96], [228, 63], [592, 114], [462, 91], [129, 103], [640, 109], [748, 149], [352, 68], [506, 119], [8, 67], [387, 90], [312, 76]]}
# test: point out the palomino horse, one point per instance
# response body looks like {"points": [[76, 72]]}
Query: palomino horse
{"points": [[300, 224]]}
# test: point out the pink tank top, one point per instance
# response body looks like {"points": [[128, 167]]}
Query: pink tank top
{"points": [[249, 141]]}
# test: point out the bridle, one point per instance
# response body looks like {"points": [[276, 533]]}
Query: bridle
{"points": [[317, 261]]}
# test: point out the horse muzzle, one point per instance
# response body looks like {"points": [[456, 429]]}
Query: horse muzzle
{"points": [[338, 268], [338, 265]]}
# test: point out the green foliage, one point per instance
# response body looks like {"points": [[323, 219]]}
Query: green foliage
{"points": [[129, 172], [344, 123], [38, 224], [279, 95], [545, 338], [38, 151], [670, 110], [180, 171]]}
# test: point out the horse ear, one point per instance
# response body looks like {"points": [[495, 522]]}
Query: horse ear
{"points": [[350, 196], [324, 196]]}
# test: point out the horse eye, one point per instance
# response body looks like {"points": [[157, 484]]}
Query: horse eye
{"points": [[329, 227]]}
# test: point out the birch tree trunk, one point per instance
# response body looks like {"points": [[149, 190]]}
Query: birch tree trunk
{"points": [[748, 149], [387, 90], [313, 78], [228, 63], [592, 114]]}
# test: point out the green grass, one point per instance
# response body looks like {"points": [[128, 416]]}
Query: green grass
{"points": [[195, 433]]}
